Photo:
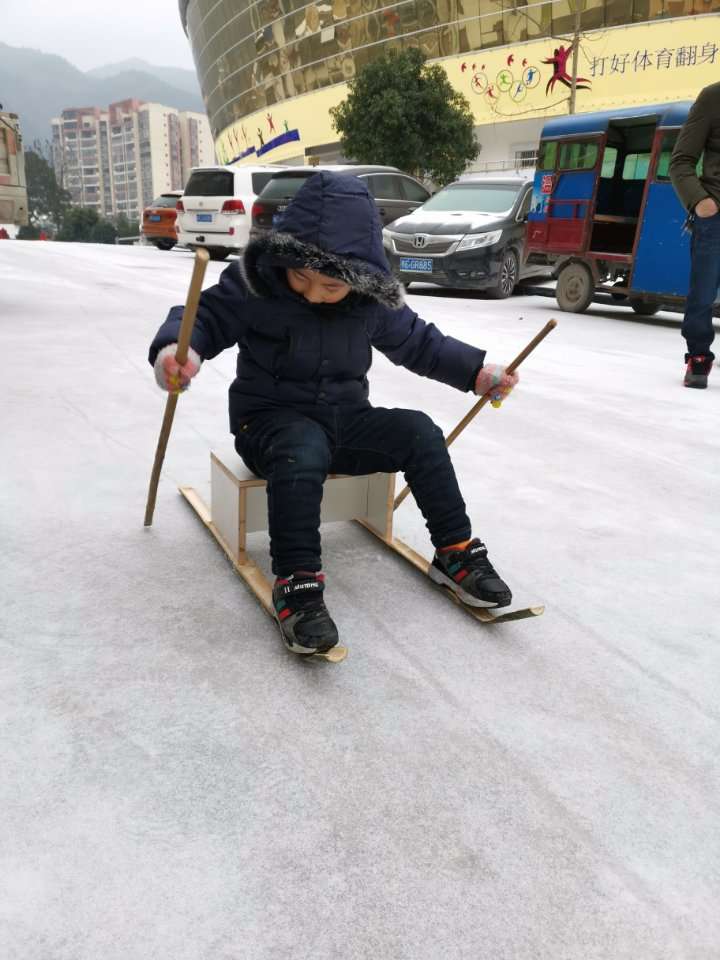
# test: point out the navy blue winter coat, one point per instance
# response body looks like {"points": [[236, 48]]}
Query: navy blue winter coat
{"points": [[296, 354]]}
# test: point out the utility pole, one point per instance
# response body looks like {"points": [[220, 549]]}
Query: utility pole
{"points": [[575, 53]]}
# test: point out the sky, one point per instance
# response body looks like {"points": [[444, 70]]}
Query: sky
{"points": [[91, 33]]}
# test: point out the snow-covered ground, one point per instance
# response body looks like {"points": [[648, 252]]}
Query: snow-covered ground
{"points": [[176, 786]]}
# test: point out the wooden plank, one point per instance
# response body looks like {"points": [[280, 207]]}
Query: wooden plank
{"points": [[483, 614], [381, 495], [248, 570], [225, 500], [251, 574], [250, 481]]}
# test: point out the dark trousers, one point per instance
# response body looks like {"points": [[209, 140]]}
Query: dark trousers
{"points": [[697, 326], [295, 451]]}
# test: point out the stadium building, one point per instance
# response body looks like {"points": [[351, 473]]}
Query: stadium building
{"points": [[270, 70]]}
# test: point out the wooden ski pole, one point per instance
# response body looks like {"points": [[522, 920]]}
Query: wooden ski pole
{"points": [[511, 368], [186, 328]]}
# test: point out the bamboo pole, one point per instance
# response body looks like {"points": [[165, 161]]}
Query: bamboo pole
{"points": [[455, 433], [186, 328]]}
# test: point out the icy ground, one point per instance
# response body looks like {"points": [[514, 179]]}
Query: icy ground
{"points": [[176, 786]]}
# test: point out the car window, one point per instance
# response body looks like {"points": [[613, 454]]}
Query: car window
{"points": [[636, 166], [166, 200], [578, 155], [210, 183], [279, 188], [607, 171], [414, 191], [477, 197], [259, 180], [385, 186], [525, 205]]}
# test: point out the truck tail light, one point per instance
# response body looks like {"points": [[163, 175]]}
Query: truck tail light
{"points": [[233, 206]]}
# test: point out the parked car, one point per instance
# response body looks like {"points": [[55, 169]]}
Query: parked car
{"points": [[158, 221], [395, 193], [214, 211], [470, 235]]}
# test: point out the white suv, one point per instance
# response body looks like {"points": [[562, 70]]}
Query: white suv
{"points": [[214, 210]]}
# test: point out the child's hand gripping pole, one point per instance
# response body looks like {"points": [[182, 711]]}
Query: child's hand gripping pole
{"points": [[511, 368], [186, 328]]}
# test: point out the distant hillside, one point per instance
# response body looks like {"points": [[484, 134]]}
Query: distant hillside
{"points": [[177, 77], [38, 86]]}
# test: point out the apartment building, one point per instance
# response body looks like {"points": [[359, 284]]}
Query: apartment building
{"points": [[117, 159]]}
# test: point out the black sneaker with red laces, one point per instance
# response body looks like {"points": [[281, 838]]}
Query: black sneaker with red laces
{"points": [[470, 575], [697, 371], [305, 624]]}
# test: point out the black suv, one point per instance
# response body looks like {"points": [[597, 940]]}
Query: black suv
{"points": [[470, 235], [396, 194]]}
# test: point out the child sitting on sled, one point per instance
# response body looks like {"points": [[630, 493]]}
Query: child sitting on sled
{"points": [[305, 305]]}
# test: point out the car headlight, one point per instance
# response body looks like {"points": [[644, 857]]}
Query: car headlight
{"points": [[474, 240], [387, 237]]}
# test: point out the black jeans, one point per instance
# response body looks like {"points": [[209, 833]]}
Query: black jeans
{"points": [[697, 326], [295, 451]]}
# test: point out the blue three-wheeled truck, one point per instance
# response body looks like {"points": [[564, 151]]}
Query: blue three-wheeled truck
{"points": [[604, 214]]}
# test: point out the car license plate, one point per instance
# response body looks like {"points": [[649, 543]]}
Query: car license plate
{"points": [[415, 265], [204, 218], [155, 217]]}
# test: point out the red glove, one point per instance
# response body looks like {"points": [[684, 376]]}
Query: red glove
{"points": [[169, 374], [494, 383]]}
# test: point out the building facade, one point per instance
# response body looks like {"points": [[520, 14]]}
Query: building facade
{"points": [[270, 70], [116, 160]]}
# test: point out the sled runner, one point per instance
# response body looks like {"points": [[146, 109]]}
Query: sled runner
{"points": [[239, 507]]}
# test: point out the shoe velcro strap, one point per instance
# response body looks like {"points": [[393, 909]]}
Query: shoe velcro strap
{"points": [[302, 586]]}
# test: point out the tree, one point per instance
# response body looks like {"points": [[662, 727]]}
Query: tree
{"points": [[45, 197], [404, 113], [125, 227], [78, 224], [28, 232]]}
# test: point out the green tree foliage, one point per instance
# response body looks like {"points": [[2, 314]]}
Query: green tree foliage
{"points": [[46, 198], [404, 113], [85, 225], [28, 232], [125, 227]]}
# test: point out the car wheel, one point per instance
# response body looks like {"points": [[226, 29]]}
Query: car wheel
{"points": [[218, 253], [575, 288], [644, 309], [507, 278]]}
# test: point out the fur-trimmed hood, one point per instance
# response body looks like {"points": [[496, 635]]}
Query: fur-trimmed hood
{"points": [[332, 226]]}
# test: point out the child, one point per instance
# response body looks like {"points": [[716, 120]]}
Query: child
{"points": [[306, 305]]}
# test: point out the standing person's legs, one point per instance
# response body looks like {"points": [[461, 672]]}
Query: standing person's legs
{"points": [[697, 328]]}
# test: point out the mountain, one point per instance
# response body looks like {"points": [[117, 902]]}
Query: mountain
{"points": [[177, 77], [39, 86]]}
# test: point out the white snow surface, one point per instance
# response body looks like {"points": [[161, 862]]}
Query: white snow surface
{"points": [[177, 786]]}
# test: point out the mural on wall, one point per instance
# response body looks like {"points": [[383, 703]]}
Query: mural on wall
{"points": [[512, 84], [234, 144], [664, 61]]}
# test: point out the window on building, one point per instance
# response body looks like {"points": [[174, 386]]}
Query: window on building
{"points": [[525, 159], [4, 158]]}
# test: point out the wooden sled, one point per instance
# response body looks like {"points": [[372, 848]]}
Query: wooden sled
{"points": [[239, 507]]}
